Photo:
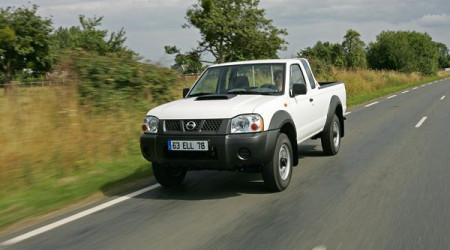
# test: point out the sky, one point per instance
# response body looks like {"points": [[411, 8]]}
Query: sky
{"points": [[152, 24]]}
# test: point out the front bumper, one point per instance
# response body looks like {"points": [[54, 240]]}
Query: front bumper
{"points": [[226, 152]]}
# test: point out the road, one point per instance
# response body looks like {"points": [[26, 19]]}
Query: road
{"points": [[388, 188]]}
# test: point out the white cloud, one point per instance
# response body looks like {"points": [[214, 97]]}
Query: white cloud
{"points": [[435, 20]]}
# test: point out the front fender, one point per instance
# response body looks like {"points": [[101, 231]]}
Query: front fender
{"points": [[283, 121]]}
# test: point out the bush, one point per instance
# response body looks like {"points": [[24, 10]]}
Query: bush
{"points": [[322, 70], [111, 81]]}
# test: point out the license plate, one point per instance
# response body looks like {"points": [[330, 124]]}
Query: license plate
{"points": [[188, 145]]}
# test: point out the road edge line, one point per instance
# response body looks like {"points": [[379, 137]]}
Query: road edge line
{"points": [[77, 216]]}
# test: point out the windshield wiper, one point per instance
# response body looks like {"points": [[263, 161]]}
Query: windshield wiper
{"points": [[200, 94], [243, 92], [269, 93], [250, 92]]}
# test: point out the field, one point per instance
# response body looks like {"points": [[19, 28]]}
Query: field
{"points": [[54, 151]]}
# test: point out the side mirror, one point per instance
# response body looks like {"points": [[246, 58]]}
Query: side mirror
{"points": [[185, 92], [298, 89]]}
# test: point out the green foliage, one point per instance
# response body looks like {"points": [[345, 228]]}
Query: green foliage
{"points": [[323, 71], [24, 42], [111, 82], [350, 53], [405, 51], [110, 76], [444, 56], [326, 52], [234, 30], [354, 52], [188, 63], [89, 37]]}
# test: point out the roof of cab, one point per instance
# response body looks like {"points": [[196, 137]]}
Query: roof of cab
{"points": [[265, 61]]}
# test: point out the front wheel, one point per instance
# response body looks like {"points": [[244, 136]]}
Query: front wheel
{"points": [[277, 173], [331, 137], [168, 176]]}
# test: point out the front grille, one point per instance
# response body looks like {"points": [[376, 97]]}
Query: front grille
{"points": [[211, 125], [173, 125], [207, 126]]}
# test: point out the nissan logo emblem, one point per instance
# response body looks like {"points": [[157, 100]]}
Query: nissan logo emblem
{"points": [[191, 125]]}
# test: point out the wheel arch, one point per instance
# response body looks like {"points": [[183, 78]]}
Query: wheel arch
{"points": [[283, 121], [335, 107]]}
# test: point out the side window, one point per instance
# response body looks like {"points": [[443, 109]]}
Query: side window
{"points": [[309, 73], [296, 75]]}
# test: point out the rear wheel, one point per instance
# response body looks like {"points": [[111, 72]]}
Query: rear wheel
{"points": [[331, 137], [277, 173], [168, 176]]}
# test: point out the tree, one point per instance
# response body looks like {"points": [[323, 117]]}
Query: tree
{"points": [[326, 52], [444, 56], [113, 82], [354, 52], [233, 30], [406, 51], [188, 63], [24, 42], [89, 37]]}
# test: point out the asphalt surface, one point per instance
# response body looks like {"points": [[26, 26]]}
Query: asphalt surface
{"points": [[388, 188]]}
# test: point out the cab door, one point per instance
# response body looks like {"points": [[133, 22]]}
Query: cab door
{"points": [[320, 100], [301, 107]]}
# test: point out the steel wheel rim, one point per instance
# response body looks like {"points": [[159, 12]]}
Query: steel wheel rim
{"points": [[284, 161], [336, 136]]}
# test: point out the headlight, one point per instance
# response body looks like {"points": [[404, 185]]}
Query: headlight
{"points": [[150, 125], [247, 124]]}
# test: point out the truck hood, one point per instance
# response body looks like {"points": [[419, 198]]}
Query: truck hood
{"points": [[191, 108]]}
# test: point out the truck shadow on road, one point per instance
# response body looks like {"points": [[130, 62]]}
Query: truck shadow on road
{"points": [[201, 185], [310, 150]]}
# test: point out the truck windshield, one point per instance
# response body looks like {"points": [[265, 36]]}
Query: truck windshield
{"points": [[254, 79]]}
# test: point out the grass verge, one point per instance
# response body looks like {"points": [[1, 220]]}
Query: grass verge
{"points": [[365, 97], [52, 192]]}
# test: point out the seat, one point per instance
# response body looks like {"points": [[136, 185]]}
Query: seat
{"points": [[238, 82]]}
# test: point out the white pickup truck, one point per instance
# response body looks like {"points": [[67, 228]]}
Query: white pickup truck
{"points": [[247, 116]]}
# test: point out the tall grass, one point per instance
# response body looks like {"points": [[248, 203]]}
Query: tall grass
{"points": [[363, 84], [45, 131]]}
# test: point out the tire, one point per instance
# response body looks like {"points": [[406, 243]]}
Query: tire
{"points": [[168, 176], [331, 136], [277, 173]]}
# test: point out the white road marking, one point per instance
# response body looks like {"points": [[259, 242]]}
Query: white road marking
{"points": [[406, 91], [392, 96], [321, 247], [347, 113], [443, 97], [371, 104], [421, 121], [415, 88], [76, 216]]}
